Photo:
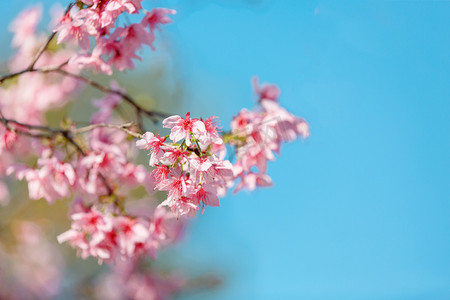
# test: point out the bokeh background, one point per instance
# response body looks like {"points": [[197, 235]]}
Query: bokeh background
{"points": [[360, 210]]}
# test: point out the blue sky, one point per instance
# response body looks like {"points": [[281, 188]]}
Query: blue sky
{"points": [[361, 209]]}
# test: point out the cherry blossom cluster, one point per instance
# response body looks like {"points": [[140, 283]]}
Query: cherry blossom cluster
{"points": [[110, 237], [188, 168], [31, 95], [57, 177], [114, 46], [37, 270], [191, 167], [258, 134]]}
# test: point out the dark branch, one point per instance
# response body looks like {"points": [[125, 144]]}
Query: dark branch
{"points": [[45, 46]]}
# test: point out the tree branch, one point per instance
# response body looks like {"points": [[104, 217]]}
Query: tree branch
{"points": [[49, 40], [139, 109], [64, 132], [123, 127], [152, 114], [52, 133]]}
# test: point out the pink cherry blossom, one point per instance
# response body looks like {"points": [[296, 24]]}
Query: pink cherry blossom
{"points": [[184, 128], [89, 233], [155, 144], [98, 21], [154, 18], [174, 155], [24, 25], [160, 173], [7, 138], [105, 107], [130, 232], [211, 135], [111, 238], [53, 180], [93, 61], [90, 170], [117, 53], [207, 195], [72, 27], [133, 36], [177, 185], [132, 6], [164, 227], [288, 126], [133, 175], [261, 134], [157, 16], [266, 91], [252, 180]]}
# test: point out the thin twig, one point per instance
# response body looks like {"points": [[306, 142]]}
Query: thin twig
{"points": [[42, 70], [67, 132], [49, 40], [123, 127], [12, 75], [69, 138], [150, 113], [41, 51]]}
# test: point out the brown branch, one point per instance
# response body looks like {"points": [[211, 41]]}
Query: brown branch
{"points": [[152, 114], [69, 138], [41, 51], [139, 109], [123, 127], [66, 132], [41, 70], [12, 75]]}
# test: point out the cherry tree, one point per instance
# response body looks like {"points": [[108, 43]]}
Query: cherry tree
{"points": [[95, 167]]}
